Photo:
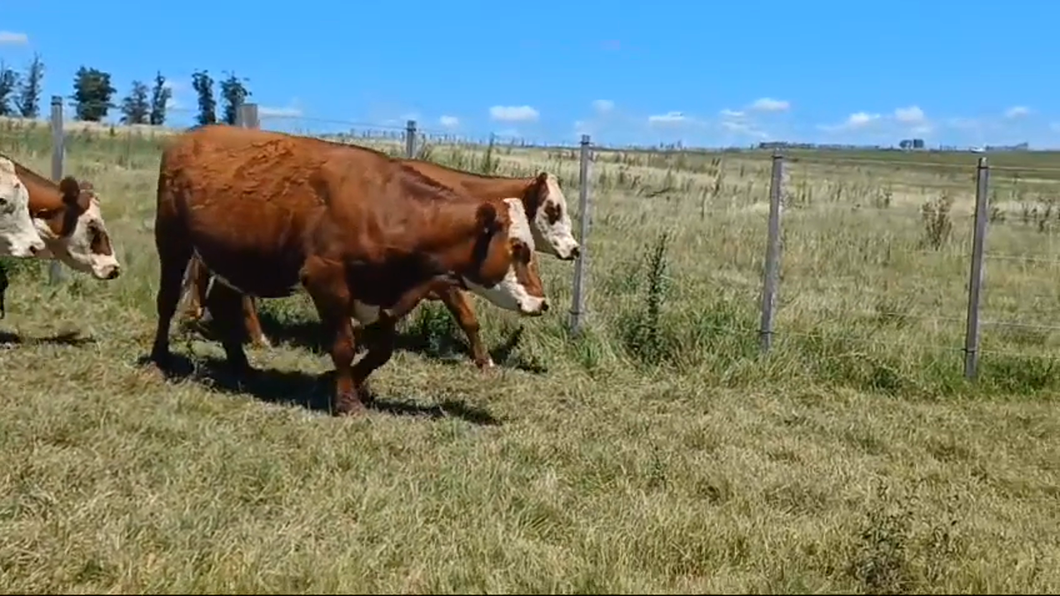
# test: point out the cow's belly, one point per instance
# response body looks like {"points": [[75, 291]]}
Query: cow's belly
{"points": [[243, 244]]}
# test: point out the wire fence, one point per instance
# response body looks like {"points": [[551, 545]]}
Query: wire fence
{"points": [[784, 195]]}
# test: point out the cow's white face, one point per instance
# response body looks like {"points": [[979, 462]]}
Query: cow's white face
{"points": [[87, 247], [18, 235], [520, 290], [551, 226]]}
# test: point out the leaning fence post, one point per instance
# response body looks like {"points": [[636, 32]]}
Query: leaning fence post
{"points": [[581, 265], [55, 270], [975, 276], [410, 139], [771, 273]]}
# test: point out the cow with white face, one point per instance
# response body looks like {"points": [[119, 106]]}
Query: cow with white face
{"points": [[18, 236], [551, 218], [67, 218]]}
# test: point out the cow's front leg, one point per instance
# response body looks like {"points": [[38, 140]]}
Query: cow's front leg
{"points": [[460, 307], [325, 283]]}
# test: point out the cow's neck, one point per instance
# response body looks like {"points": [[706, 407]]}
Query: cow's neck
{"points": [[44, 195], [450, 232], [498, 188]]}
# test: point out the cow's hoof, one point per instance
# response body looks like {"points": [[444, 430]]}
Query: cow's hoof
{"points": [[348, 404], [486, 365], [261, 341]]}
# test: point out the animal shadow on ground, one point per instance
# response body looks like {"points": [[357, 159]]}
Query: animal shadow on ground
{"points": [[449, 347], [69, 338], [310, 391]]}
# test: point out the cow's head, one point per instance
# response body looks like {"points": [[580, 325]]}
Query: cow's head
{"points": [[507, 272], [546, 207], [18, 237], [75, 234]]}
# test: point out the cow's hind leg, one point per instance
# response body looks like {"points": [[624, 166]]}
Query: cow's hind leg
{"points": [[460, 307], [325, 282], [252, 324], [173, 256], [226, 310]]}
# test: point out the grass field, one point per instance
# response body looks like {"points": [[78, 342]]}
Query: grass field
{"points": [[658, 453]]}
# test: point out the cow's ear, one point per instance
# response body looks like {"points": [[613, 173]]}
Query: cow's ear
{"points": [[70, 189], [486, 218]]}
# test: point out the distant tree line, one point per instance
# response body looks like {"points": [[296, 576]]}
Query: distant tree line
{"points": [[92, 99]]}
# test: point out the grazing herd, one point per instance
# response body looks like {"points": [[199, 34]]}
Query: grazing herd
{"points": [[243, 214]]}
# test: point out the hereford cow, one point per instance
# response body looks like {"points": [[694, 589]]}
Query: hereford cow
{"points": [[68, 220], [544, 205], [18, 236], [267, 212]]}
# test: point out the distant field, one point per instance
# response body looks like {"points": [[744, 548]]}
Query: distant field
{"points": [[659, 453]]}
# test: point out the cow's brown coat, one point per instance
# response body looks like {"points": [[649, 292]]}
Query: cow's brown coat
{"points": [[267, 212], [532, 191]]}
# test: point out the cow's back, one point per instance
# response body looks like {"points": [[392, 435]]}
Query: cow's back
{"points": [[246, 200]]}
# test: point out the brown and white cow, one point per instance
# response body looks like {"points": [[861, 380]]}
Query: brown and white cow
{"points": [[267, 212], [545, 207], [68, 220], [18, 235]]}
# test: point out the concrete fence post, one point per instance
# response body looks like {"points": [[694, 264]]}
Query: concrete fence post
{"points": [[581, 265], [975, 276], [410, 139], [55, 270], [247, 116], [771, 273]]}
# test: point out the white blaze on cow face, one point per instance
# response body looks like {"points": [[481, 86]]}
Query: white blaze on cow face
{"points": [[76, 250], [552, 226], [18, 236], [510, 293]]}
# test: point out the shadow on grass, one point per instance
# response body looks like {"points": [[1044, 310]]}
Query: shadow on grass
{"points": [[416, 339], [70, 338], [313, 392]]}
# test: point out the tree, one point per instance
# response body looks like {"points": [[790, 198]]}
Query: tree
{"points": [[203, 85], [28, 101], [92, 93], [134, 107], [8, 86], [160, 96], [233, 92]]}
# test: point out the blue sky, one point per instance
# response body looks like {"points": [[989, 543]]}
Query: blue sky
{"points": [[706, 73]]}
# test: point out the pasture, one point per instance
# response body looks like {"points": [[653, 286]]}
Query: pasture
{"points": [[659, 452]]}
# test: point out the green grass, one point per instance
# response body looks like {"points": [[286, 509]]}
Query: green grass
{"points": [[659, 452]]}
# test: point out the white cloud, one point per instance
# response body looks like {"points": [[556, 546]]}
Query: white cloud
{"points": [[603, 105], [861, 119], [910, 115], [727, 113], [767, 104], [743, 128], [667, 118], [856, 121], [1017, 112], [286, 112], [513, 113], [13, 39], [449, 121]]}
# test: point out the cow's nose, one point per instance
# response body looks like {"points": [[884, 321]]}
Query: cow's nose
{"points": [[34, 249], [574, 252], [544, 306], [114, 273]]}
